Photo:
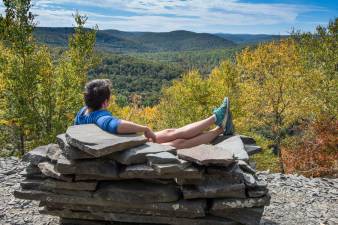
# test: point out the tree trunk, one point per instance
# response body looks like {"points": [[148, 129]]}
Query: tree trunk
{"points": [[279, 150], [21, 142]]}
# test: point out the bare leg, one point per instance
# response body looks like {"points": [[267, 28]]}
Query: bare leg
{"points": [[204, 138], [186, 132]]}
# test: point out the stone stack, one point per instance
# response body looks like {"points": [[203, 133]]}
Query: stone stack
{"points": [[93, 177]]}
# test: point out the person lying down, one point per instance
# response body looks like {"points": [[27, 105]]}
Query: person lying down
{"points": [[97, 95]]}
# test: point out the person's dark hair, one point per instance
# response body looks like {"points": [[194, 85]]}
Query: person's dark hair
{"points": [[96, 92]]}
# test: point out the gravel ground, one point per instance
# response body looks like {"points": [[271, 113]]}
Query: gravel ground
{"points": [[294, 199]]}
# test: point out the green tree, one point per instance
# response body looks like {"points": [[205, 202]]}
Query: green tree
{"points": [[19, 68], [39, 98], [274, 90], [319, 52], [72, 73], [186, 101]]}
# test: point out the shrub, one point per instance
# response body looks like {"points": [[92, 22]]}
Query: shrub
{"points": [[314, 152]]}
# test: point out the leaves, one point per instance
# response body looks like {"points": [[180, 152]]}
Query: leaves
{"points": [[38, 98]]}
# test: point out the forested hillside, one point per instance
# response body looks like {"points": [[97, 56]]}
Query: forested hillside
{"points": [[134, 75], [204, 61], [119, 41], [145, 74]]}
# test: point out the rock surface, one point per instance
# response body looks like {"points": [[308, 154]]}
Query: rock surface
{"points": [[53, 152], [71, 152], [136, 192], [235, 146], [295, 200], [137, 155], [95, 167], [94, 141], [162, 158], [206, 155], [48, 169], [252, 149], [37, 155]]}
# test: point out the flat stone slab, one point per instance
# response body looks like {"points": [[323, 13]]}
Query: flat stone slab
{"points": [[103, 168], [256, 193], [31, 184], [53, 152], [182, 208], [70, 152], [141, 171], [87, 177], [32, 169], [214, 191], [188, 181], [235, 146], [162, 158], [33, 176], [171, 168], [206, 155], [137, 192], [259, 190], [37, 155], [65, 165], [31, 195], [252, 149], [137, 155], [227, 203], [51, 184], [64, 221], [248, 140], [233, 173], [49, 170], [95, 141], [43, 195], [248, 216], [249, 180], [138, 219], [246, 167], [189, 172]]}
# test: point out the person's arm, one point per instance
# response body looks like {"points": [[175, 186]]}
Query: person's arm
{"points": [[127, 127]]}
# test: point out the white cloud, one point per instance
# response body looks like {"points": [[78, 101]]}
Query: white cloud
{"points": [[164, 15]]}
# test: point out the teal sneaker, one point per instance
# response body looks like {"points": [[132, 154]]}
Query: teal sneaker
{"points": [[227, 123], [221, 112], [229, 128]]}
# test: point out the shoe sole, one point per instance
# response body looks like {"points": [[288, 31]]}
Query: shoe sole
{"points": [[226, 115]]}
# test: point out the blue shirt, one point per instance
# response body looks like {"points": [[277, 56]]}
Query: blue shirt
{"points": [[102, 118]]}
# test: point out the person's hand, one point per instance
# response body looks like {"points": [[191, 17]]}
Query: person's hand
{"points": [[150, 135]]}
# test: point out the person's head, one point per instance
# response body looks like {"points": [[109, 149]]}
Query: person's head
{"points": [[97, 94]]}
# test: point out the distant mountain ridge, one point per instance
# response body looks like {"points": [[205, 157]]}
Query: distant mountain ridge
{"points": [[121, 41], [250, 38]]}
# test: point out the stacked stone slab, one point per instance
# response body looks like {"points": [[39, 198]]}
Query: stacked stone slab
{"points": [[93, 177]]}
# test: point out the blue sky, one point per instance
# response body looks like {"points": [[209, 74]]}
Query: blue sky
{"points": [[212, 16]]}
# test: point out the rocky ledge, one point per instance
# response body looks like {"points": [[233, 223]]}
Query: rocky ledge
{"points": [[94, 177], [294, 199]]}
